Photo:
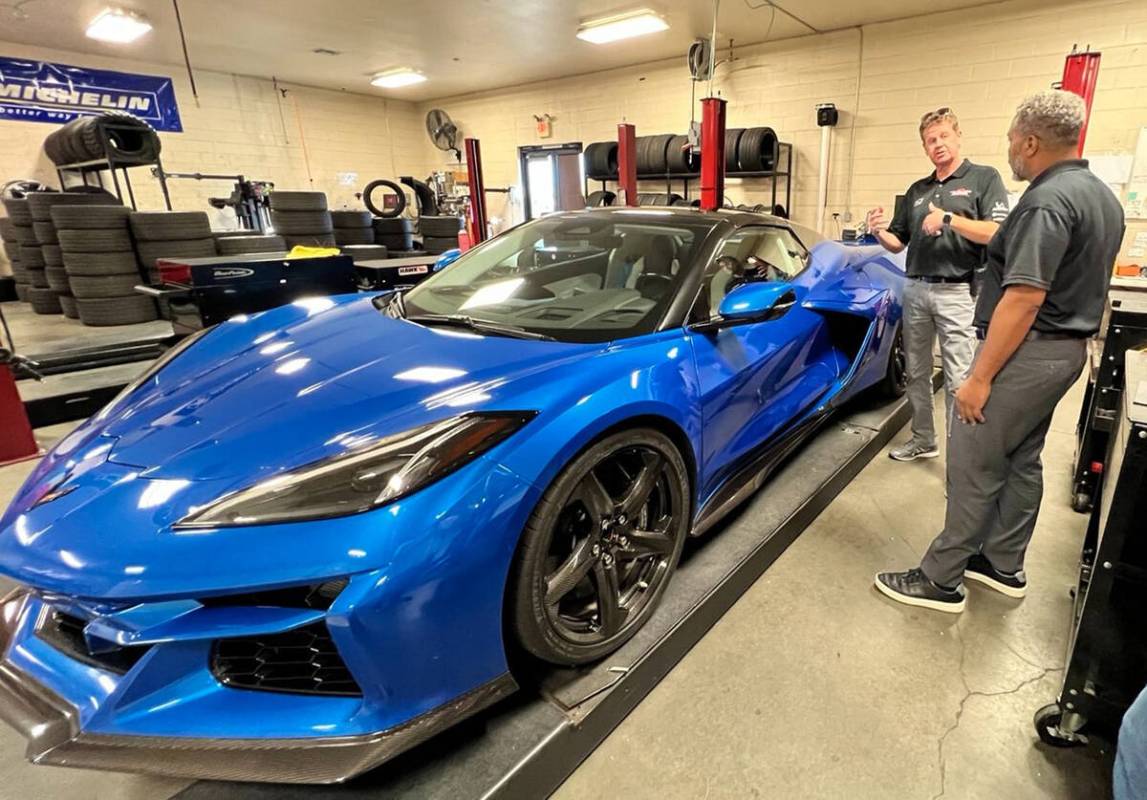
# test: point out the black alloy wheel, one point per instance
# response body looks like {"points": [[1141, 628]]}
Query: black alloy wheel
{"points": [[600, 548], [896, 379]]}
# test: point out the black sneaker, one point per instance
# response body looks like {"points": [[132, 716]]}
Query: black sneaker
{"points": [[915, 589], [979, 569]]}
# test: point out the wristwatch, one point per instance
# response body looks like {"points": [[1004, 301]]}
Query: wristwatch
{"points": [[947, 221]]}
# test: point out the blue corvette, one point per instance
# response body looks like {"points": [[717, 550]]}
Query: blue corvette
{"points": [[304, 541]]}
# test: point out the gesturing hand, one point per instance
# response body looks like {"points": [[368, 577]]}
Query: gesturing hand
{"points": [[875, 220], [971, 398], [934, 222]]}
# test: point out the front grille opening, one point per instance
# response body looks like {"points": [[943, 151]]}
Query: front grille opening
{"points": [[320, 597], [301, 661], [66, 633]]}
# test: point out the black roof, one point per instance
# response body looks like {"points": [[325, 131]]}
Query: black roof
{"points": [[735, 217]]}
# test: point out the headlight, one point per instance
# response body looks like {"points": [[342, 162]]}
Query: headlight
{"points": [[385, 471]]}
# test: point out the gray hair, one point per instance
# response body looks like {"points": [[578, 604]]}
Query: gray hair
{"points": [[1055, 116]]}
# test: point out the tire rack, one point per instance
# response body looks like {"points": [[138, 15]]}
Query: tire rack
{"points": [[784, 156], [111, 163]]}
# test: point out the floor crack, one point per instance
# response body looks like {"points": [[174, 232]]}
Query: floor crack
{"points": [[968, 695]]}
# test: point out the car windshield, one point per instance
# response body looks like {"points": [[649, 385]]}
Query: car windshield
{"points": [[592, 277]]}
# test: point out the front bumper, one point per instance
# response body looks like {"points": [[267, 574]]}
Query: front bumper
{"points": [[55, 736]]}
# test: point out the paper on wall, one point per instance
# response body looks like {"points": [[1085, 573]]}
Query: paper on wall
{"points": [[1112, 169]]}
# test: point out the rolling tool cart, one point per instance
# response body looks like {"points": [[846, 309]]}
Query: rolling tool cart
{"points": [[1107, 653], [1124, 328]]}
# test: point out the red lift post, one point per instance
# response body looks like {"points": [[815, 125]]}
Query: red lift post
{"points": [[627, 163], [712, 153], [478, 227], [1080, 74], [16, 439]]}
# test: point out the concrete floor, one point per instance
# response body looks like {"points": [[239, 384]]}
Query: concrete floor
{"points": [[814, 685]]}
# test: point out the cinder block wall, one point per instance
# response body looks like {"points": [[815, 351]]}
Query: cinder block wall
{"points": [[882, 78]]}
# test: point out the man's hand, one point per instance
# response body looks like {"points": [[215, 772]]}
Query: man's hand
{"points": [[875, 220], [934, 222], [971, 398]]}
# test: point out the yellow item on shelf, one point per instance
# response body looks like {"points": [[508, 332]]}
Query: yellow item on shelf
{"points": [[302, 251]]}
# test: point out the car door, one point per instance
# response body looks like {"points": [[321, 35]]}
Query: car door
{"points": [[755, 378]]}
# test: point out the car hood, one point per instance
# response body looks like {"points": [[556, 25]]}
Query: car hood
{"points": [[312, 380]]}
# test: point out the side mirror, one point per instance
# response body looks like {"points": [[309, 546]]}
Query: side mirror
{"points": [[446, 259], [752, 302]]}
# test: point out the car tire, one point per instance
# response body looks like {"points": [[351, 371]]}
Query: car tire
{"points": [[298, 201], [353, 236], [537, 622], [680, 158], [68, 306], [45, 233], [127, 310], [384, 213], [18, 211], [350, 219], [895, 381], [37, 277], [652, 152], [600, 199], [301, 223], [169, 226], [128, 136], [95, 264], [44, 301], [601, 161], [31, 257], [436, 245], [110, 241], [22, 291], [732, 143], [757, 150], [86, 218], [440, 227], [311, 240], [393, 226], [365, 252], [41, 203], [241, 245], [87, 288], [57, 278], [150, 252]]}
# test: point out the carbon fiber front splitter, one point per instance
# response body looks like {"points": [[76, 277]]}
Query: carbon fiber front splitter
{"points": [[51, 726]]}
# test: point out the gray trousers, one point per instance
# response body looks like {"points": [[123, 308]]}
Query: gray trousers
{"points": [[995, 476], [931, 309]]}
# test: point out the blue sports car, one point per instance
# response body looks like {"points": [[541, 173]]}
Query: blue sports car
{"points": [[305, 539]]}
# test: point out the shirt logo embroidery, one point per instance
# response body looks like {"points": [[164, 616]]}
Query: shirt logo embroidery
{"points": [[961, 192], [919, 202]]}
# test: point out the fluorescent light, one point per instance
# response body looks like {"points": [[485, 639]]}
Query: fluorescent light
{"points": [[118, 26], [396, 78], [621, 26]]}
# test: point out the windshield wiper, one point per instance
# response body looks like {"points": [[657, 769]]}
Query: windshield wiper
{"points": [[479, 326]]}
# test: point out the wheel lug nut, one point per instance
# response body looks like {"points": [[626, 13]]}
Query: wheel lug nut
{"points": [[608, 559], [622, 520], [597, 550], [605, 524], [623, 542]]}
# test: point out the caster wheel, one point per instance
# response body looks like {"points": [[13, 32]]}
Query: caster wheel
{"points": [[1081, 502], [1048, 721]]}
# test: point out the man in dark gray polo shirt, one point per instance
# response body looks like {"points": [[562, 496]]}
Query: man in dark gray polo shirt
{"points": [[1043, 293], [945, 221]]}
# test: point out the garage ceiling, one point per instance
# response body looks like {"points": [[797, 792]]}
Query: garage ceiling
{"points": [[461, 45]]}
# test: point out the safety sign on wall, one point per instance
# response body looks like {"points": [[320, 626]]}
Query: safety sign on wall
{"points": [[42, 91]]}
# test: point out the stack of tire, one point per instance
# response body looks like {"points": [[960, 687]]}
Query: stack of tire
{"points": [[41, 204], [365, 252], [302, 218], [396, 234], [249, 243], [83, 139], [96, 246], [751, 150], [352, 228], [8, 233], [601, 161], [170, 234], [439, 234], [43, 298]]}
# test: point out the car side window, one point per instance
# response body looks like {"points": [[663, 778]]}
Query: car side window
{"points": [[757, 253]]}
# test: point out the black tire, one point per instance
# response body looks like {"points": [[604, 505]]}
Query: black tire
{"points": [[169, 226], [441, 227], [600, 199], [732, 143], [85, 288], [298, 201], [53, 255], [395, 242], [895, 381], [45, 233], [129, 137], [311, 240], [37, 277], [393, 226], [301, 223], [93, 241], [127, 310], [149, 252], [757, 150], [22, 291], [599, 475], [651, 156], [680, 158], [239, 245], [31, 257], [1047, 722], [659, 199], [57, 278], [95, 264], [18, 211], [88, 218], [7, 230], [42, 203], [601, 161], [69, 307], [24, 235], [436, 245], [382, 211], [353, 236], [350, 219], [365, 252], [44, 301]]}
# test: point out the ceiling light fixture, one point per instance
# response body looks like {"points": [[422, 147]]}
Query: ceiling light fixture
{"points": [[621, 26], [118, 26], [396, 78]]}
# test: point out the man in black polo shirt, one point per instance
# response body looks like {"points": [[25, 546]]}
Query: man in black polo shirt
{"points": [[1043, 294], [945, 221]]}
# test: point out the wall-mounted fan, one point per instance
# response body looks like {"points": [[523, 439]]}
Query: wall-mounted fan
{"points": [[443, 132]]}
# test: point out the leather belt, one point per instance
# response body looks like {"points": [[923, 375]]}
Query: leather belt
{"points": [[1044, 336], [939, 279]]}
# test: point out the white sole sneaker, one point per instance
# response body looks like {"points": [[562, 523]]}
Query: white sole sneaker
{"points": [[921, 602], [1002, 588], [907, 459]]}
